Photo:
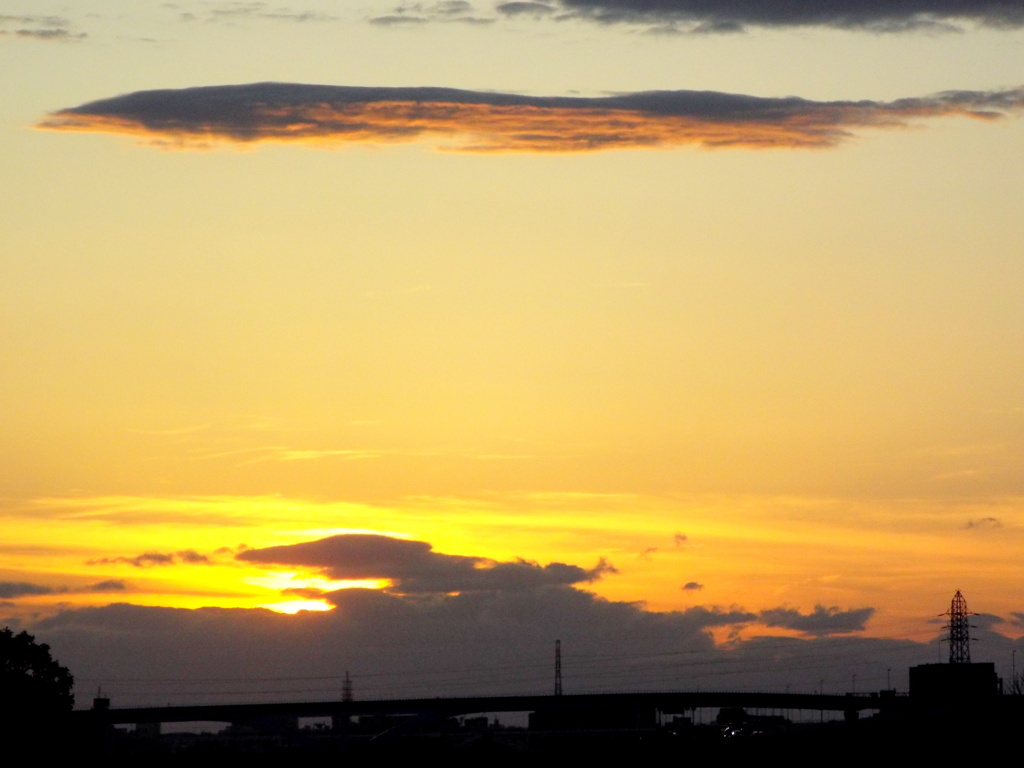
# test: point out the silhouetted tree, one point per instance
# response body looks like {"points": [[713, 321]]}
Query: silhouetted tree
{"points": [[31, 682], [1017, 685]]}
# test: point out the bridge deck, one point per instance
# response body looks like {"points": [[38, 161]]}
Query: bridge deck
{"points": [[670, 702]]}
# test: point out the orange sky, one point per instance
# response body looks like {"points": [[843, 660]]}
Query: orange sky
{"points": [[777, 391]]}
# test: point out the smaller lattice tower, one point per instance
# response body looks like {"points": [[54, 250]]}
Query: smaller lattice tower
{"points": [[558, 667], [346, 688], [959, 630]]}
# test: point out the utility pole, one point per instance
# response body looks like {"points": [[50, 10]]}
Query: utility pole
{"points": [[558, 667]]}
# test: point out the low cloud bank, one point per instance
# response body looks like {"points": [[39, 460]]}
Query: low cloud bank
{"points": [[462, 624], [446, 624], [482, 643]]}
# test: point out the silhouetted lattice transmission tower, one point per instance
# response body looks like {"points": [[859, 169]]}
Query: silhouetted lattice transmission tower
{"points": [[959, 630], [346, 688]]}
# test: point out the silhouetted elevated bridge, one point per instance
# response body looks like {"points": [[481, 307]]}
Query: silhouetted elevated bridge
{"points": [[669, 702]]}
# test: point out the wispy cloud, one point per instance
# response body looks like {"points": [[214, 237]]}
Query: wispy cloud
{"points": [[175, 432], [443, 12], [150, 559], [346, 454], [498, 122], [983, 523], [700, 16], [239, 11], [268, 453], [38, 27]]}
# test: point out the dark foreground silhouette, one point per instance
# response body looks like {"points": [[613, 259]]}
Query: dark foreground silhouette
{"points": [[477, 742]]}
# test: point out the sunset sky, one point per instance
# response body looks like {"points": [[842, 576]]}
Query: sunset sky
{"points": [[468, 326]]}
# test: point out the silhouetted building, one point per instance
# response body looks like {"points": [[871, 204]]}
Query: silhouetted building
{"points": [[147, 730], [736, 721], [267, 724], [580, 718], [946, 685]]}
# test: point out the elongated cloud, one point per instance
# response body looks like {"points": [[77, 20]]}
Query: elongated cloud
{"points": [[233, 12], [497, 122], [10, 589], [735, 15], [414, 567], [150, 559], [822, 621], [444, 12], [17, 589]]}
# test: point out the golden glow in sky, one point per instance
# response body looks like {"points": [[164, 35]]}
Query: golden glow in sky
{"points": [[778, 392]]}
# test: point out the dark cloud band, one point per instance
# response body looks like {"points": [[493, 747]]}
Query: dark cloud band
{"points": [[734, 15], [497, 122], [10, 590]]}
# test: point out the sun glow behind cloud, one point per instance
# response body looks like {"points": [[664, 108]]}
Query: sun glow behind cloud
{"points": [[778, 391], [294, 606], [292, 580], [804, 551]]}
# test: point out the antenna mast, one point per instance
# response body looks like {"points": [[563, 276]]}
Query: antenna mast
{"points": [[558, 667]]}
